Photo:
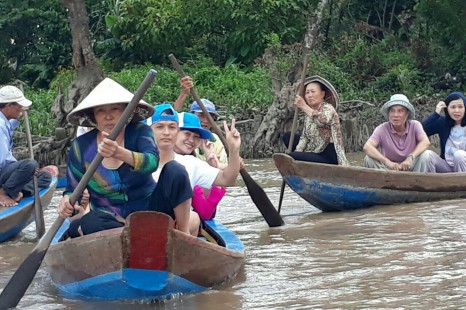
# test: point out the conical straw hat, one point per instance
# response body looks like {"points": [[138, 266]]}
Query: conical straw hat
{"points": [[107, 92], [331, 96]]}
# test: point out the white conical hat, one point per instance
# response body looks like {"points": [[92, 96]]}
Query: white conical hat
{"points": [[107, 92]]}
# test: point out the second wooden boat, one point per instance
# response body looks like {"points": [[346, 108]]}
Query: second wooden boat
{"points": [[336, 188], [14, 219]]}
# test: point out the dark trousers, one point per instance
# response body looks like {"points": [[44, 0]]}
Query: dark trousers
{"points": [[17, 177], [328, 156], [172, 189]]}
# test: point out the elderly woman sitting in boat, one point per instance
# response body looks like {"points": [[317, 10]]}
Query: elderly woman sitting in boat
{"points": [[400, 143], [321, 139], [451, 129], [122, 183]]}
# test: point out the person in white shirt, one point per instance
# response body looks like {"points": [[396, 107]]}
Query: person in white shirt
{"points": [[165, 125]]}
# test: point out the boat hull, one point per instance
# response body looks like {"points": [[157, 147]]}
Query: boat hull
{"points": [[333, 188], [14, 219], [147, 259]]}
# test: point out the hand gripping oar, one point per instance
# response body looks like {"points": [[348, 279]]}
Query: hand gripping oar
{"points": [[38, 212], [23, 276], [295, 120], [258, 195]]}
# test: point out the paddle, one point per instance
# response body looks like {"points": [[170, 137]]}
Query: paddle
{"points": [[38, 212], [295, 120], [258, 195], [22, 278]]}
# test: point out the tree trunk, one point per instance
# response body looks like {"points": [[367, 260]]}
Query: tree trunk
{"points": [[280, 114], [88, 75]]}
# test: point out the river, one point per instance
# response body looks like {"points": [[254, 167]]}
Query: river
{"points": [[397, 257]]}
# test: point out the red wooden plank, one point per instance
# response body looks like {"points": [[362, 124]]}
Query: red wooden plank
{"points": [[148, 240]]}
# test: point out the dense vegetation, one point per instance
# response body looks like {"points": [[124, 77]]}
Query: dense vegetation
{"points": [[368, 50]]}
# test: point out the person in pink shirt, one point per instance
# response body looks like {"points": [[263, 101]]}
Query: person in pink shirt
{"points": [[400, 143]]}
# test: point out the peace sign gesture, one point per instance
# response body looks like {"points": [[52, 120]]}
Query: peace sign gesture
{"points": [[232, 135]]}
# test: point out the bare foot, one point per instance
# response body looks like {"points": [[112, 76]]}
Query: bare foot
{"points": [[6, 201], [18, 197]]}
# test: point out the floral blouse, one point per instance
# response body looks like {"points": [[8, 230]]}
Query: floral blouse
{"points": [[320, 130]]}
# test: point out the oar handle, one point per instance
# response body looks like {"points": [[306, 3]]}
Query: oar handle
{"points": [[124, 119], [28, 134], [215, 127], [38, 212], [301, 93]]}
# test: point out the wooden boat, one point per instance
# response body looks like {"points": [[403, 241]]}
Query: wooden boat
{"points": [[337, 188], [14, 219], [146, 259]]}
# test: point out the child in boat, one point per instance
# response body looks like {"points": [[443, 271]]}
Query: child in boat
{"points": [[16, 176], [321, 140], [122, 183], [400, 143], [451, 129], [166, 129]]}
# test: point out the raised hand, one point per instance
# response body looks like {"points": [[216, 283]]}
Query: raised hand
{"points": [[186, 84], [233, 136], [440, 106], [300, 102]]}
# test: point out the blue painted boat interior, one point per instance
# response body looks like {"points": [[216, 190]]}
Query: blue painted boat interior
{"points": [[131, 284], [25, 202], [232, 242]]}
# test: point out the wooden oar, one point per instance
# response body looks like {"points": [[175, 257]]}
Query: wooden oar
{"points": [[258, 195], [38, 211], [22, 278], [295, 120]]}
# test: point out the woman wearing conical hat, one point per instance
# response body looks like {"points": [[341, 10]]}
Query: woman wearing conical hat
{"points": [[122, 183], [321, 140]]}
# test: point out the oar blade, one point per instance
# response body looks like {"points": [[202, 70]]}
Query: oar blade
{"points": [[23, 276], [262, 201]]}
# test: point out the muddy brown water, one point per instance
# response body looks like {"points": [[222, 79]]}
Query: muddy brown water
{"points": [[396, 257]]}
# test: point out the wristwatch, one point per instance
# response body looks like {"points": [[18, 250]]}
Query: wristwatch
{"points": [[413, 157]]}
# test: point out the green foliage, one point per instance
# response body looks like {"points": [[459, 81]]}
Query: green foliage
{"points": [[40, 119], [240, 30], [35, 36], [371, 50], [232, 89]]}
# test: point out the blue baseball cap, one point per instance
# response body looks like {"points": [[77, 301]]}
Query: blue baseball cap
{"points": [[163, 112], [209, 105], [191, 122]]}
